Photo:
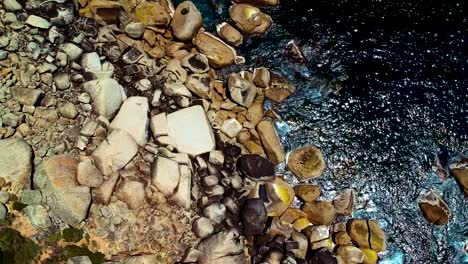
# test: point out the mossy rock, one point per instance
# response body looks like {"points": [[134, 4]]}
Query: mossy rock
{"points": [[72, 235], [306, 162], [16, 249]]}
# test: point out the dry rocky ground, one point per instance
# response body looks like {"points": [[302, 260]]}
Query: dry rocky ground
{"points": [[121, 142]]}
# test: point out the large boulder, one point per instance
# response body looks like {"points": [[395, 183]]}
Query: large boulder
{"points": [[133, 119], [225, 247], [16, 162], [187, 21], [107, 95], [56, 177]]}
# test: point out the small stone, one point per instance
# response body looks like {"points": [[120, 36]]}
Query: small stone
{"points": [[191, 255], [11, 120], [270, 141], [229, 34], [224, 247], [216, 212], [90, 62], [4, 197], [320, 212], [279, 196], [342, 238], [306, 162], [3, 212], [31, 197], [219, 54], [62, 81], [231, 127], [186, 21], [370, 256], [38, 216], [307, 193], [350, 254], [4, 41], [165, 175], [254, 216], [210, 181], [38, 22], [216, 157], [133, 119], [89, 127], [254, 148], [291, 215], [434, 208], [158, 125], [143, 85], [131, 193], [249, 19], [26, 96], [84, 98], [255, 166], [176, 89], [459, 170], [88, 174], [152, 14], [242, 91], [12, 5], [132, 56], [344, 203], [200, 84], [73, 51], [262, 77], [3, 54], [324, 256], [202, 227], [279, 89], [107, 95], [103, 193], [135, 30], [67, 110], [196, 63]]}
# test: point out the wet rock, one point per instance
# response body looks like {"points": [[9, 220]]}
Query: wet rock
{"points": [[320, 212], [242, 91], [165, 175], [307, 193], [434, 208], [115, 152], [231, 127], [30, 197], [202, 227], [350, 254], [225, 247], [56, 177], [152, 14], [249, 19], [279, 89], [367, 234], [88, 174], [16, 162], [38, 22], [216, 212], [459, 170], [196, 63], [142, 259], [294, 52], [62, 81], [255, 166], [187, 21], [191, 130], [107, 95], [344, 203], [219, 54], [131, 193], [135, 30], [26, 96], [324, 256], [12, 5], [270, 141], [67, 110], [38, 216], [79, 260], [229, 34], [133, 119], [254, 216], [306, 162]]}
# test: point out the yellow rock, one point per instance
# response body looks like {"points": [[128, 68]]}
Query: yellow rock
{"points": [[219, 54], [350, 254], [291, 215], [280, 195], [306, 162], [370, 256], [301, 223], [152, 14], [253, 148]]}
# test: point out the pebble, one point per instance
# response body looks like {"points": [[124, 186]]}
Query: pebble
{"points": [[216, 212], [165, 175], [67, 110], [12, 5], [367, 234], [196, 63], [202, 227], [38, 22], [270, 141], [229, 34], [135, 30], [143, 85], [62, 81], [216, 157], [249, 19], [242, 91]]}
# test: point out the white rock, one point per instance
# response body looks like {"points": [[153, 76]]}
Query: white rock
{"points": [[135, 30], [182, 195], [12, 5], [38, 22], [156, 97], [143, 85], [216, 157], [73, 51], [91, 62], [115, 152], [165, 175], [88, 175], [159, 126], [176, 89], [191, 130], [231, 127], [107, 95], [133, 118]]}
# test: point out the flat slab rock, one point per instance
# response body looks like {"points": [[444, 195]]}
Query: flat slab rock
{"points": [[133, 118], [16, 162], [191, 130]]}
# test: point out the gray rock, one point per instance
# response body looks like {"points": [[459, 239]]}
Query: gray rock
{"points": [[14, 44], [16, 162], [10, 18], [79, 260], [196, 63], [131, 193], [38, 216], [38, 22], [242, 91], [31, 197], [26, 96], [225, 247], [73, 51], [11, 119], [133, 119], [143, 85], [12, 5], [4, 41], [135, 30], [67, 110], [202, 227], [55, 36], [216, 157], [88, 174], [210, 180], [107, 95], [216, 212], [3, 54], [3, 212], [62, 81], [4, 197]]}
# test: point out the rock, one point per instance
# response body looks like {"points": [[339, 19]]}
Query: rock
{"points": [[90, 62], [196, 63], [191, 130], [11, 120], [79, 260], [103, 193], [307, 193], [231, 127], [165, 175], [3, 212], [143, 85], [135, 30], [4, 197], [219, 54], [132, 56], [107, 95], [158, 125], [142, 259], [182, 194], [186, 21], [258, 2], [229, 34], [320, 212], [319, 237], [152, 14], [88, 174], [216, 157], [350, 254], [253, 148], [306, 162], [200, 84], [324, 256], [344, 203], [16, 162], [115, 152], [342, 238], [301, 239], [280, 196], [278, 228], [459, 170], [242, 91], [133, 119], [176, 89], [225, 247], [279, 89], [291, 215], [255, 166], [73, 51], [56, 177], [131, 193], [38, 216], [25, 96], [62, 81], [254, 216], [67, 110], [202, 227], [370, 256], [262, 77], [270, 141], [175, 72], [38, 22], [191, 256], [249, 19], [366, 234], [434, 208], [216, 212], [12, 5]]}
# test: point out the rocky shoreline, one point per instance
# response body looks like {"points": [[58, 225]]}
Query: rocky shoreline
{"points": [[121, 141]]}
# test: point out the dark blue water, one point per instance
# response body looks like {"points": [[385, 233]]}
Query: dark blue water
{"points": [[384, 94]]}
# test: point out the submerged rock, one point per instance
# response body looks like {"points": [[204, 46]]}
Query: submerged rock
{"points": [[306, 162], [434, 208], [16, 162], [459, 170], [187, 21]]}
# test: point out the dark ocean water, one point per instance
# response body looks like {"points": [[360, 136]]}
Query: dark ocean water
{"points": [[401, 109]]}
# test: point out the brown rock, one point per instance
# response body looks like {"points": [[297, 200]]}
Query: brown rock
{"points": [[459, 170], [187, 21], [249, 19], [104, 12], [219, 54], [253, 148], [258, 2], [255, 113], [291, 215], [131, 193], [279, 90], [366, 234], [271, 142], [350, 254], [320, 213], [306, 192], [434, 208], [262, 77], [306, 162], [152, 14], [229, 34], [342, 238], [344, 203]]}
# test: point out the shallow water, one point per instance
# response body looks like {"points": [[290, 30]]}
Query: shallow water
{"points": [[401, 110]]}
